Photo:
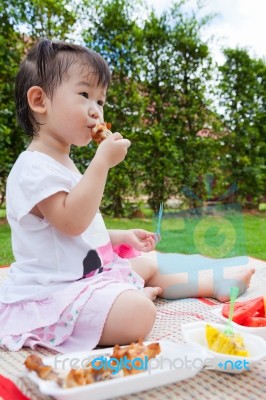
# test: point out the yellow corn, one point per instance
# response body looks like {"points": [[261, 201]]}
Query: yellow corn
{"points": [[221, 343]]}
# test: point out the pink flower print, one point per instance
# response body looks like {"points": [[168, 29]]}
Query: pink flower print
{"points": [[50, 337], [78, 310], [69, 317]]}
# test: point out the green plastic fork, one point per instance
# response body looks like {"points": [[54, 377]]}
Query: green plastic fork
{"points": [[229, 330]]}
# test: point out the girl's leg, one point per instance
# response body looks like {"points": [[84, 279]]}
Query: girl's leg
{"points": [[131, 317], [182, 276]]}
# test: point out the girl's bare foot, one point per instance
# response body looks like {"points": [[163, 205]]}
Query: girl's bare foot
{"points": [[240, 279], [152, 292]]}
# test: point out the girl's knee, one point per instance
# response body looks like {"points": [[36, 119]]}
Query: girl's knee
{"points": [[140, 317], [145, 315], [131, 317]]}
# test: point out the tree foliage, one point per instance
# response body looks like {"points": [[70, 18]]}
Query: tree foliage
{"points": [[11, 50], [21, 23], [243, 98], [177, 71], [159, 98], [117, 38]]}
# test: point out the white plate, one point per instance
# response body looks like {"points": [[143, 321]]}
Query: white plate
{"points": [[195, 333], [259, 331], [176, 362]]}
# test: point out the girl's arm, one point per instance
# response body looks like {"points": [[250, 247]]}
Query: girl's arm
{"points": [[117, 236], [72, 212], [139, 239]]}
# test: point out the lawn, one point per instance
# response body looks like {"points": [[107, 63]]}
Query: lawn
{"points": [[6, 256], [214, 236]]}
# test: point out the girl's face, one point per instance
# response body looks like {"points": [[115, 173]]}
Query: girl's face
{"points": [[76, 107]]}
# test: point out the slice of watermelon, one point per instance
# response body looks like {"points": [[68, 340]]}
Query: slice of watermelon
{"points": [[255, 322], [245, 309]]}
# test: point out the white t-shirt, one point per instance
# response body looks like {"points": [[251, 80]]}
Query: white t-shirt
{"points": [[46, 259]]}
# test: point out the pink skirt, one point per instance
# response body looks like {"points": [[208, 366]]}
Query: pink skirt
{"points": [[70, 320]]}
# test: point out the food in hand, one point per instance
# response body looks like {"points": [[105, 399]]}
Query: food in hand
{"points": [[100, 132], [250, 313], [97, 371], [220, 343]]}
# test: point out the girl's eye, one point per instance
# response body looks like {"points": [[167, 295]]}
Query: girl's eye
{"points": [[84, 94], [101, 103]]}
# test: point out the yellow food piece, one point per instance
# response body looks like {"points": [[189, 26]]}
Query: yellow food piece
{"points": [[221, 343]]}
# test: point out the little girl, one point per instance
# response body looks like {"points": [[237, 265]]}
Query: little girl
{"points": [[67, 289]]}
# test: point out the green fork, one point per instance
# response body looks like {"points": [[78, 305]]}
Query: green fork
{"points": [[229, 331]]}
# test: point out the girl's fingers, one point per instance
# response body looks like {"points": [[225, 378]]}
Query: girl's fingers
{"points": [[149, 244], [115, 136]]}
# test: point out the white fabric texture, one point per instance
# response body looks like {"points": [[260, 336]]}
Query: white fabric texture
{"points": [[46, 259]]}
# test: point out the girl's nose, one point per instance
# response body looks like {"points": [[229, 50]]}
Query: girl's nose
{"points": [[93, 112]]}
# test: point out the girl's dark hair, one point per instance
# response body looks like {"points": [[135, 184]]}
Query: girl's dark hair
{"points": [[46, 65]]}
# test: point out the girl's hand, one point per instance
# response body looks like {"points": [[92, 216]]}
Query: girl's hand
{"points": [[140, 239], [112, 150]]}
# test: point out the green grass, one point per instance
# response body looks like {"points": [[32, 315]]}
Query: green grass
{"points": [[245, 235], [2, 212], [6, 256], [255, 229]]}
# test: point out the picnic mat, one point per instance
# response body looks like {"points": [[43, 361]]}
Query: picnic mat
{"points": [[207, 384]]}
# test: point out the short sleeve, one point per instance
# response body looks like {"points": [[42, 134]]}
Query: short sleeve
{"points": [[38, 179]]}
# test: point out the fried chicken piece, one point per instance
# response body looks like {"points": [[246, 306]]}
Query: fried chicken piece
{"points": [[81, 377], [100, 374], [46, 372], [33, 362], [75, 377], [101, 132], [136, 350]]}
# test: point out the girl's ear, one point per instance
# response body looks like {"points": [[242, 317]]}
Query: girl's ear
{"points": [[37, 99]]}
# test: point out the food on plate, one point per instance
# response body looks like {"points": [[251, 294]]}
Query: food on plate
{"points": [[250, 313], [85, 376], [126, 360], [75, 377], [255, 322], [101, 132], [137, 352], [220, 343], [46, 372]]}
